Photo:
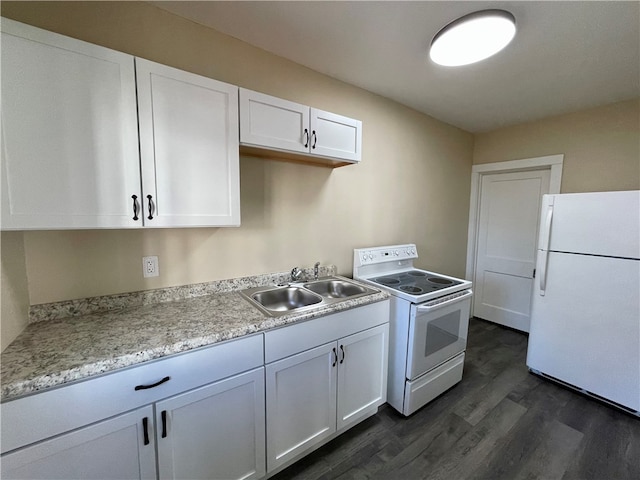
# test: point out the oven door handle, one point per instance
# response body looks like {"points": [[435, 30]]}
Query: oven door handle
{"points": [[431, 308]]}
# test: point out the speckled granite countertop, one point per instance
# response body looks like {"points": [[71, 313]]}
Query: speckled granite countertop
{"points": [[56, 351]]}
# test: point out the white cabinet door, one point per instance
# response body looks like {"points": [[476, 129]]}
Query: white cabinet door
{"points": [[69, 132], [362, 374], [214, 432], [188, 148], [118, 448], [335, 136], [272, 122], [301, 403]]}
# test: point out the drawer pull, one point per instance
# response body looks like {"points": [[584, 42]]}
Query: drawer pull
{"points": [[164, 423], [343, 355], [145, 428], [306, 138], [335, 357], [144, 387]]}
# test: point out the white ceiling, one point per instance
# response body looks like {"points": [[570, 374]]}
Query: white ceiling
{"points": [[566, 56]]}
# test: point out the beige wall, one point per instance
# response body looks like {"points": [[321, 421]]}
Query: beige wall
{"points": [[412, 185], [601, 146]]}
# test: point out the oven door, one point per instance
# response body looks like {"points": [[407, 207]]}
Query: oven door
{"points": [[437, 332]]}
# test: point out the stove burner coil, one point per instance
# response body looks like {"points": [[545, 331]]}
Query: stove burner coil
{"points": [[411, 289], [441, 281]]}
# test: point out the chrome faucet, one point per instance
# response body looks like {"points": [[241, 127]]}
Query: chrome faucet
{"points": [[316, 267], [295, 274]]}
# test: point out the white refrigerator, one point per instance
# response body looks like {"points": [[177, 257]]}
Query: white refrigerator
{"points": [[585, 313]]}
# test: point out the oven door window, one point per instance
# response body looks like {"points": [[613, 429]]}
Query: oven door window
{"points": [[442, 332], [436, 336]]}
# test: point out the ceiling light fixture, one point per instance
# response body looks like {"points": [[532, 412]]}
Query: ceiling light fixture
{"points": [[473, 37]]}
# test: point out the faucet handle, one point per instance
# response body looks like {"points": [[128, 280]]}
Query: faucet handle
{"points": [[315, 270], [295, 274]]}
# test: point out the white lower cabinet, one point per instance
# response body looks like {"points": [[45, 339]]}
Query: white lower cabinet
{"points": [[301, 403], [201, 414], [362, 375], [195, 415], [118, 448], [313, 395], [214, 432]]}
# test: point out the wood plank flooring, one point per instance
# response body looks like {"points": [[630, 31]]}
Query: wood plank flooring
{"points": [[500, 422]]}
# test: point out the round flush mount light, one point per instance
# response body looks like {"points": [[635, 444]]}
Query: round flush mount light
{"points": [[473, 37]]}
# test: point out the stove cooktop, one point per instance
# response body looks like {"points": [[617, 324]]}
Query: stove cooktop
{"points": [[415, 282]]}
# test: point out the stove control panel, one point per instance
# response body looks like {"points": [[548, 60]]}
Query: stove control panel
{"points": [[370, 256]]}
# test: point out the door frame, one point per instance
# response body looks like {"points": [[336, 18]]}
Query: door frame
{"points": [[551, 162]]}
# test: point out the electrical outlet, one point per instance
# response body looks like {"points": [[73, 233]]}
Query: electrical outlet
{"points": [[150, 266]]}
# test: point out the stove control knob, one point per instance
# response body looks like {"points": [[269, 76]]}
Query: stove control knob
{"points": [[397, 253]]}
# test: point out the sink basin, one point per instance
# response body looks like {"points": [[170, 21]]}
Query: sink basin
{"points": [[286, 298], [303, 296], [335, 288]]}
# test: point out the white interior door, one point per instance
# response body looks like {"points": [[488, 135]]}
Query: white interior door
{"points": [[506, 246]]}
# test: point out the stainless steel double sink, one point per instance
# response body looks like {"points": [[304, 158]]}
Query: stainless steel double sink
{"points": [[301, 296]]}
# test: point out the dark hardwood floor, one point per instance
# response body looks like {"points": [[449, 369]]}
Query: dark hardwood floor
{"points": [[500, 422]]}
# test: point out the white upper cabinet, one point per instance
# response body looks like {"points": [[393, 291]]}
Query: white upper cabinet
{"points": [[72, 157], [335, 136], [271, 123], [188, 148], [69, 131]]}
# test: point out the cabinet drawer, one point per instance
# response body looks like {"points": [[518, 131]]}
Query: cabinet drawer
{"points": [[33, 418], [292, 339]]}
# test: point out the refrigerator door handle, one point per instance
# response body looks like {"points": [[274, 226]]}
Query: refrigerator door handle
{"points": [[542, 271], [544, 246], [546, 232]]}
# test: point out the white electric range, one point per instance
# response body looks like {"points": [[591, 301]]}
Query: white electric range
{"points": [[428, 324]]}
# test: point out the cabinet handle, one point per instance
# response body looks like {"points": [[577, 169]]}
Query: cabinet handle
{"points": [[150, 217], [335, 357], [343, 354], [164, 423], [306, 138], [145, 387], [145, 428], [315, 139], [135, 207]]}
